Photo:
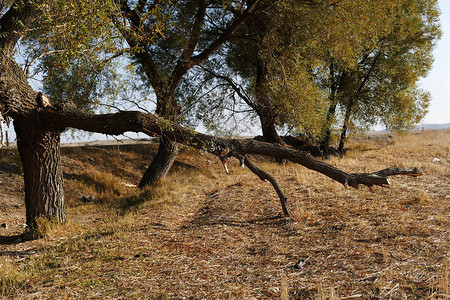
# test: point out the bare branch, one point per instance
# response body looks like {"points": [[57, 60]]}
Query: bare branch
{"points": [[237, 88], [29, 64], [198, 59], [263, 175], [196, 30]]}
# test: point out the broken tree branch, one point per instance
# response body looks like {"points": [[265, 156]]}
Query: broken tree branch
{"points": [[118, 123], [263, 175]]}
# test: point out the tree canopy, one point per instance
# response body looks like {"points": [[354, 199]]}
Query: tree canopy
{"points": [[383, 84], [285, 65]]}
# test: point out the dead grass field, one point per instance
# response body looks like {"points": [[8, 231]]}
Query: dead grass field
{"points": [[202, 234]]}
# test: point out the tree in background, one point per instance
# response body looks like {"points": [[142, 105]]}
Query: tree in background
{"points": [[270, 61], [196, 30], [383, 85]]}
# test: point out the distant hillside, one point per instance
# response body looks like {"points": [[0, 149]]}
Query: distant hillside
{"points": [[432, 126], [425, 127]]}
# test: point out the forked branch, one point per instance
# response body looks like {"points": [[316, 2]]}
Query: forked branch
{"points": [[223, 148]]}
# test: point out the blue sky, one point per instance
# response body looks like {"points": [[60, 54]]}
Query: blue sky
{"points": [[438, 80]]}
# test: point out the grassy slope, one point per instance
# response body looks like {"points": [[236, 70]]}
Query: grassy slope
{"points": [[203, 234]]}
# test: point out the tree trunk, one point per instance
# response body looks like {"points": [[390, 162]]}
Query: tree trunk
{"points": [[328, 122], [265, 110], [169, 109], [269, 131], [161, 163], [39, 150], [345, 127], [2, 132], [164, 86]]}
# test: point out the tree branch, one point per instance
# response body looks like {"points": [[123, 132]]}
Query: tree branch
{"points": [[18, 18], [184, 61], [196, 31], [235, 87], [198, 59], [145, 59], [118, 123], [263, 175], [20, 100]]}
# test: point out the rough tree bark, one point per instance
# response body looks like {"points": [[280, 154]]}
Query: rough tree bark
{"points": [[343, 137], [38, 146], [161, 163], [167, 150], [269, 131], [39, 150]]}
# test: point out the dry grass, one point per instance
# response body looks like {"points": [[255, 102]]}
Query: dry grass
{"points": [[203, 235]]}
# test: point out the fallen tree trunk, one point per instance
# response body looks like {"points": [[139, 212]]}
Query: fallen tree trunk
{"points": [[118, 123]]}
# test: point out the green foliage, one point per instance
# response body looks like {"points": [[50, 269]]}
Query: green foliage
{"points": [[76, 46], [332, 32], [4, 5], [182, 30], [72, 28], [407, 110], [69, 43], [279, 58], [382, 86]]}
